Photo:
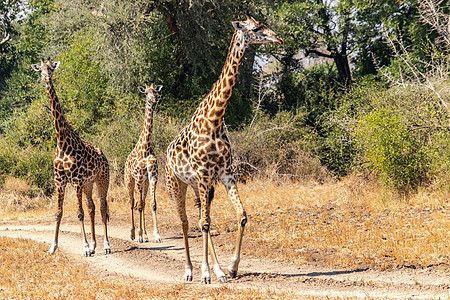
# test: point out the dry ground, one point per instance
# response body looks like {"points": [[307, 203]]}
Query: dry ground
{"points": [[343, 239]]}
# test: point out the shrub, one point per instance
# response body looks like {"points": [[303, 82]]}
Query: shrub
{"points": [[276, 148], [393, 151]]}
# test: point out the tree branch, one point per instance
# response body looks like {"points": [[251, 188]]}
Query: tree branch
{"points": [[6, 38], [314, 51]]}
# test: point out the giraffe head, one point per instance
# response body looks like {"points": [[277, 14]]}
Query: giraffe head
{"points": [[256, 32], [150, 91], [46, 68]]}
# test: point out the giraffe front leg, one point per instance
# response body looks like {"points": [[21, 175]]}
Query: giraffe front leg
{"points": [[142, 189], [205, 228], [86, 250], [231, 188], [129, 182], [153, 197], [58, 217]]}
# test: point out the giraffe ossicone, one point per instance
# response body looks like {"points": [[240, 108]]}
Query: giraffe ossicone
{"points": [[141, 169], [201, 153], [76, 162]]}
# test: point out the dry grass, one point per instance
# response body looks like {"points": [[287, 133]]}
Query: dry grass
{"points": [[352, 223], [348, 224], [27, 272]]}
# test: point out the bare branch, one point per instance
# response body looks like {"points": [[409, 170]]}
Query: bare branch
{"points": [[6, 38]]}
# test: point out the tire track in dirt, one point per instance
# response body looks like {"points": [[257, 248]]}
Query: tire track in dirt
{"points": [[164, 263]]}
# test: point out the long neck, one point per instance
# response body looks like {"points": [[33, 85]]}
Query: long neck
{"points": [[145, 137], [61, 126], [213, 106]]}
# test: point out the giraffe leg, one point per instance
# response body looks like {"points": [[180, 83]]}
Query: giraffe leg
{"points": [[153, 182], [58, 216], [129, 182], [221, 277], [177, 192], [231, 187], [91, 210], [204, 226], [86, 250], [102, 188], [142, 189]]}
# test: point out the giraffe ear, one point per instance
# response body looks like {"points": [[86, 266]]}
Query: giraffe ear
{"points": [[158, 88], [36, 67], [141, 89], [238, 25], [55, 65]]}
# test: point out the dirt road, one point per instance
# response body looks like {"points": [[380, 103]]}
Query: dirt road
{"points": [[164, 263]]}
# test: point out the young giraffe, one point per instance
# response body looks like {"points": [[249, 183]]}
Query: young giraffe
{"points": [[142, 168], [76, 162], [201, 154]]}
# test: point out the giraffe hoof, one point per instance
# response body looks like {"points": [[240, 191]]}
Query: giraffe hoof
{"points": [[232, 274], [206, 280], [222, 279], [188, 278], [107, 251], [87, 253], [158, 240]]}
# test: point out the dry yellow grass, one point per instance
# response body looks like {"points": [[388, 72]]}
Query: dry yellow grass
{"points": [[352, 223], [348, 224], [27, 272]]}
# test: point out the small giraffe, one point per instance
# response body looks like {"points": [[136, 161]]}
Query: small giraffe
{"points": [[76, 162], [200, 154], [141, 168]]}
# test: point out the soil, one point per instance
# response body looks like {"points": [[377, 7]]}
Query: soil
{"points": [[163, 263]]}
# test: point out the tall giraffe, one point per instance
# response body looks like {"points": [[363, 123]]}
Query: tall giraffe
{"points": [[200, 154], [141, 168], [76, 162]]}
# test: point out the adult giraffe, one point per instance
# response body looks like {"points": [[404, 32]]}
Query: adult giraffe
{"points": [[200, 154], [76, 162]]}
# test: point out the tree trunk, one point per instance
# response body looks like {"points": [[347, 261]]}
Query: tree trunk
{"points": [[343, 67]]}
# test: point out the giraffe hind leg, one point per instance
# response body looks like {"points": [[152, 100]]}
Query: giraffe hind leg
{"points": [[91, 210], [177, 192], [102, 189], [231, 188]]}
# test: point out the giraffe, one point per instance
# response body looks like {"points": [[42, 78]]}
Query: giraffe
{"points": [[200, 154], [141, 168], [76, 162]]}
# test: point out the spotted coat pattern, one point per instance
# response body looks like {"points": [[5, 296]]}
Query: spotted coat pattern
{"points": [[78, 163], [141, 169], [200, 154]]}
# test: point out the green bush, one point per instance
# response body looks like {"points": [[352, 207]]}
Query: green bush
{"points": [[31, 164], [392, 150]]}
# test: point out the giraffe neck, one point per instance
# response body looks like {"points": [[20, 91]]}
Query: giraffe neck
{"points": [[212, 108], [145, 137], [61, 126]]}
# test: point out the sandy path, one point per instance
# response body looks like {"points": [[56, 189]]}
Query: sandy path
{"points": [[164, 263]]}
